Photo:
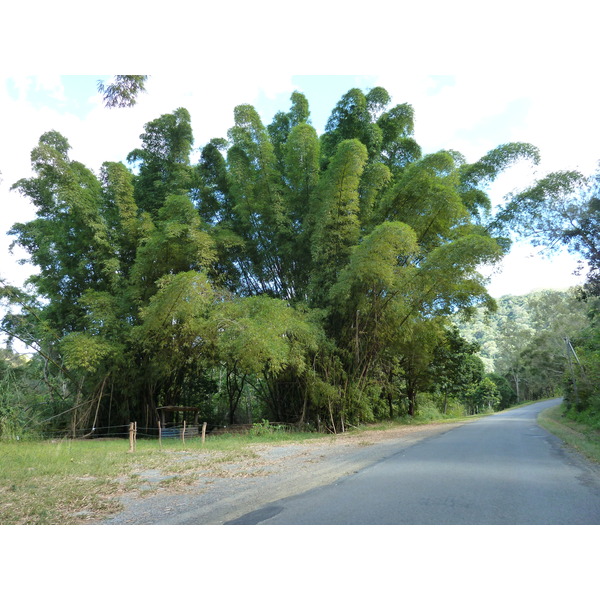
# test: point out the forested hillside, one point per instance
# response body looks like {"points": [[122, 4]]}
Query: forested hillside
{"points": [[526, 340], [301, 278]]}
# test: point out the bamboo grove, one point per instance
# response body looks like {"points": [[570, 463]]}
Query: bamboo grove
{"points": [[316, 272]]}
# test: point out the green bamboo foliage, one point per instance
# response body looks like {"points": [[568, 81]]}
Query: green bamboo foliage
{"points": [[177, 243], [338, 228], [302, 176], [483, 172], [260, 216], [319, 271], [69, 241], [163, 161]]}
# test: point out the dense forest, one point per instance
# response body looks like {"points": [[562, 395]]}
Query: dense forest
{"points": [[525, 344], [316, 280]]}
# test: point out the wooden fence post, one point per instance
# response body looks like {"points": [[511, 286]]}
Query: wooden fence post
{"points": [[159, 434], [203, 431], [131, 437], [183, 434]]}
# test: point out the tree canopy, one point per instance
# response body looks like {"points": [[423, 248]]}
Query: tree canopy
{"points": [[319, 272]]}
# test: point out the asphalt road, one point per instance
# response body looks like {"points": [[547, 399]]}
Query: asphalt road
{"points": [[503, 469]]}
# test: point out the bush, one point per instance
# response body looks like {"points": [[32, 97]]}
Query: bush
{"points": [[590, 417], [428, 411], [12, 420], [263, 428]]}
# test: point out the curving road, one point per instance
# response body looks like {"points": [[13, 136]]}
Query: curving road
{"points": [[503, 469]]}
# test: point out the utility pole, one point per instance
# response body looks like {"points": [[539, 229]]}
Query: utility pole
{"points": [[571, 352]]}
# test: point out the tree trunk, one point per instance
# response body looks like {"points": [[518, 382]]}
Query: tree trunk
{"points": [[412, 401]]}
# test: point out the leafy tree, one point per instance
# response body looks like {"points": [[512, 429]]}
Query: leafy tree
{"points": [[456, 370], [163, 161], [69, 241], [259, 217], [504, 389], [257, 339], [321, 271], [368, 300], [524, 340], [582, 381], [562, 209], [337, 229], [398, 147], [484, 396], [283, 123], [352, 119], [99, 259], [176, 243], [486, 170], [13, 401], [123, 91], [415, 351]]}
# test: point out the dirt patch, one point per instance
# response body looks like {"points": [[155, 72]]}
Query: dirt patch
{"points": [[215, 492]]}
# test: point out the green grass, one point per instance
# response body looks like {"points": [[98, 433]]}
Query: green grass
{"points": [[582, 437], [63, 482], [73, 482]]}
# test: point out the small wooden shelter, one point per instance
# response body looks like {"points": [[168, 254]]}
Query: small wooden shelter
{"points": [[173, 418]]}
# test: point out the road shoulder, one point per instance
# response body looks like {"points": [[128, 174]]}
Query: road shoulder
{"points": [[276, 472]]}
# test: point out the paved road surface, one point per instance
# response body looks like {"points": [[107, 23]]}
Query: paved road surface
{"points": [[502, 469]]}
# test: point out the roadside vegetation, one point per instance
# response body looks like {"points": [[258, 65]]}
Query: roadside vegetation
{"points": [[582, 435], [280, 273]]}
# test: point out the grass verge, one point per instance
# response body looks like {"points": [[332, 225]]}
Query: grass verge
{"points": [[79, 481], [583, 438]]}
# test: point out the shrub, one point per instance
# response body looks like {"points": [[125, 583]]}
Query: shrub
{"points": [[263, 428]]}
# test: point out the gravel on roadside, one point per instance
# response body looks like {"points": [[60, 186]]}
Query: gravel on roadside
{"points": [[213, 497]]}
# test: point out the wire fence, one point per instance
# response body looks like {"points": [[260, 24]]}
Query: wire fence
{"points": [[181, 431], [112, 431]]}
